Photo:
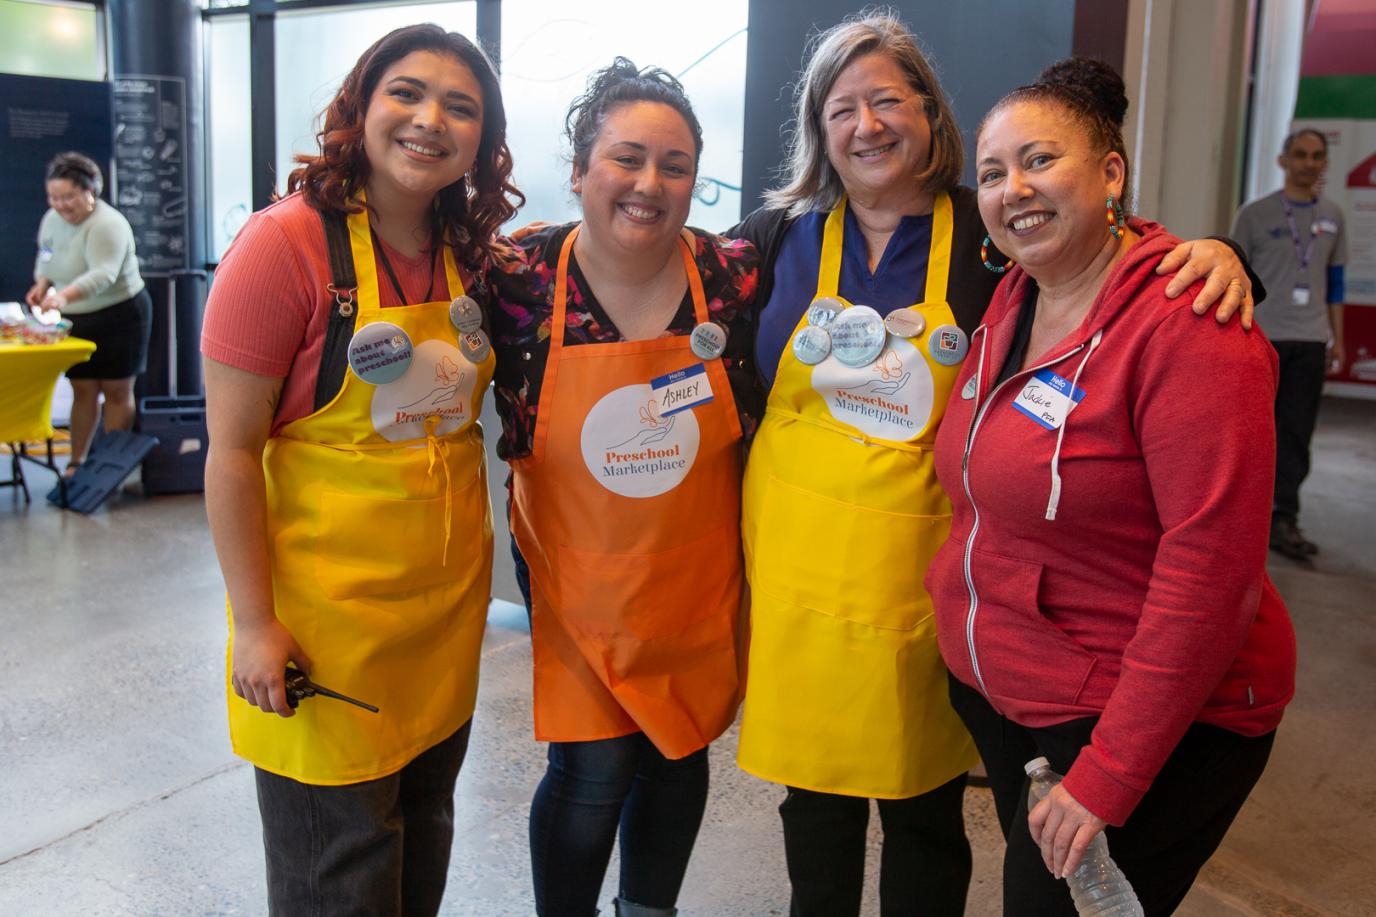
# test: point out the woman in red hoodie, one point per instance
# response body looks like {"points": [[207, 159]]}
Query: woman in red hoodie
{"points": [[1103, 600]]}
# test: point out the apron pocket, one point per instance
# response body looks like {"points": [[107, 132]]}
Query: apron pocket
{"points": [[1017, 645], [647, 596], [845, 560], [376, 546]]}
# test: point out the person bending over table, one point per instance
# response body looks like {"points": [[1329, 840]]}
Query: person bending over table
{"points": [[87, 270]]}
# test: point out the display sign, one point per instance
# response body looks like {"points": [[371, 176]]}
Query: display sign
{"points": [[42, 117], [150, 180]]}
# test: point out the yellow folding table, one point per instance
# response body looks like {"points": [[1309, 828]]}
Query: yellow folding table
{"points": [[28, 375]]}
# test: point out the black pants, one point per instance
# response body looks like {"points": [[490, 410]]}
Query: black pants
{"points": [[924, 868], [1170, 835], [380, 847], [593, 790], [1302, 368]]}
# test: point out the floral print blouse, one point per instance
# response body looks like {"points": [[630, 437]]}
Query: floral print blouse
{"points": [[523, 310]]}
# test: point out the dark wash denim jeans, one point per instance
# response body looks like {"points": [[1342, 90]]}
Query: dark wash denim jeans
{"points": [[589, 792], [380, 847]]}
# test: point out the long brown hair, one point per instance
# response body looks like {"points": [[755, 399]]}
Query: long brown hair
{"points": [[467, 212]]}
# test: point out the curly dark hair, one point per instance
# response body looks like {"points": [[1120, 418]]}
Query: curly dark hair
{"points": [[619, 84], [78, 169], [1094, 96], [466, 217]]}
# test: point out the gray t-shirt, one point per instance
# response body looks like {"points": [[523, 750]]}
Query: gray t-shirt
{"points": [[97, 255], [1264, 233]]}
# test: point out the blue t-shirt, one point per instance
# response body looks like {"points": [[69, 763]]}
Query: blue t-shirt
{"points": [[899, 281]]}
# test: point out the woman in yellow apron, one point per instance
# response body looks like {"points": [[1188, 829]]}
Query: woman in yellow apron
{"points": [[621, 340], [346, 489], [871, 287]]}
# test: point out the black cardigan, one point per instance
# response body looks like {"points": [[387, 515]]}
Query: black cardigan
{"points": [[969, 287]]}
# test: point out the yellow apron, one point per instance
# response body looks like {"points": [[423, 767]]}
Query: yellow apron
{"points": [[380, 539], [842, 513]]}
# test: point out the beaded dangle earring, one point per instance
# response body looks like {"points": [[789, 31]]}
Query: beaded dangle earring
{"points": [[984, 258], [1116, 218]]}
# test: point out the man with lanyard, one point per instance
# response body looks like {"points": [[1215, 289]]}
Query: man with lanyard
{"points": [[1295, 241]]}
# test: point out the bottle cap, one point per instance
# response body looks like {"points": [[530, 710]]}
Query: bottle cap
{"points": [[1035, 765]]}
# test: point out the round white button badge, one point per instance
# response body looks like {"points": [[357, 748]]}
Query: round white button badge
{"points": [[811, 345], [904, 323], [708, 341], [380, 352], [947, 345], [466, 314], [857, 336], [824, 310], [475, 346]]}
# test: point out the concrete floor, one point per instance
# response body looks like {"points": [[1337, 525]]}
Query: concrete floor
{"points": [[118, 793]]}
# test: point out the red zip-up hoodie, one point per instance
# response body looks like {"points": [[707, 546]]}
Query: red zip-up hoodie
{"points": [[1109, 559]]}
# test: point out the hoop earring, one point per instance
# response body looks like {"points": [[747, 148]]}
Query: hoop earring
{"points": [[1117, 219], [984, 259]]}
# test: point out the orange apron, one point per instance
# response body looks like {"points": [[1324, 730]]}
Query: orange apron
{"points": [[630, 522]]}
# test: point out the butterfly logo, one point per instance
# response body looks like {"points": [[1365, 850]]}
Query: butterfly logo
{"points": [[649, 414], [889, 366], [447, 372]]}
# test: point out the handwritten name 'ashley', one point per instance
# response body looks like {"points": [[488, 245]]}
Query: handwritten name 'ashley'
{"points": [[674, 396]]}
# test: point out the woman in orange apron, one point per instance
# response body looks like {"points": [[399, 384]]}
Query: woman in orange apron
{"points": [[346, 489], [618, 341]]}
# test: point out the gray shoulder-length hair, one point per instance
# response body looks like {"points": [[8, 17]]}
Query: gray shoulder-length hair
{"points": [[811, 183]]}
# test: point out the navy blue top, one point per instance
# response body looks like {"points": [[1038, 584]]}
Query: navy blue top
{"points": [[899, 281]]}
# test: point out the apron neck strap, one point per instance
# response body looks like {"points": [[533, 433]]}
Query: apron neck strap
{"points": [[365, 265], [561, 283], [938, 258]]}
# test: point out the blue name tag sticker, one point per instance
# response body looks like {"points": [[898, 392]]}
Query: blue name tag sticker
{"points": [[682, 389], [1047, 398]]}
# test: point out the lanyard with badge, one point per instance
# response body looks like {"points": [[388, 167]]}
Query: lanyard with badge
{"points": [[1303, 253], [381, 352]]}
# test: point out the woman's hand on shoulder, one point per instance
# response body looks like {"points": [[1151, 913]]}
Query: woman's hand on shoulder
{"points": [[530, 229], [1064, 830], [1226, 282], [259, 662]]}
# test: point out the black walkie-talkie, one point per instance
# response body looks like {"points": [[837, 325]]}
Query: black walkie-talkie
{"points": [[299, 686]]}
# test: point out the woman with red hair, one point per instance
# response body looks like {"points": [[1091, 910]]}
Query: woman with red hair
{"points": [[347, 354]]}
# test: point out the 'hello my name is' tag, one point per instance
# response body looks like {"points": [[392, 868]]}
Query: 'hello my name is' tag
{"points": [[682, 389], [1047, 398]]}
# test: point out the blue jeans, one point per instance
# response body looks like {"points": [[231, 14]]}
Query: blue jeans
{"points": [[591, 789], [380, 847]]}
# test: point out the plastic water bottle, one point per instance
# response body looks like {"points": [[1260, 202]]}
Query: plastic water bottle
{"points": [[1098, 887]]}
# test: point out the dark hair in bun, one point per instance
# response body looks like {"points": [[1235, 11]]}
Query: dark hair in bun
{"points": [[621, 84], [1093, 94], [80, 170]]}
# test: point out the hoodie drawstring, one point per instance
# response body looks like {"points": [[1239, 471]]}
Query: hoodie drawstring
{"points": [[1055, 500], [438, 449]]}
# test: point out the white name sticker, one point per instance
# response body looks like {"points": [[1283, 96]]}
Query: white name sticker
{"points": [[682, 389], [1047, 399], [1324, 226]]}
